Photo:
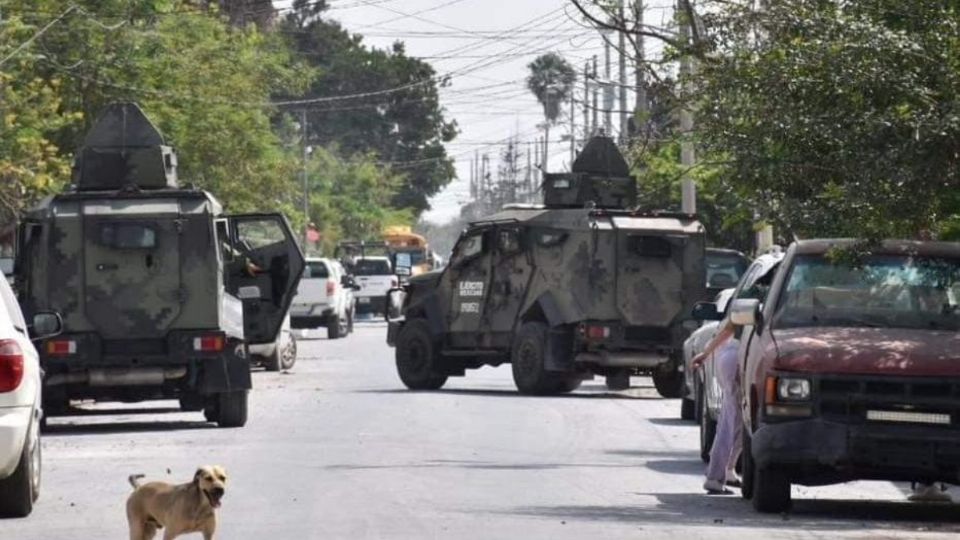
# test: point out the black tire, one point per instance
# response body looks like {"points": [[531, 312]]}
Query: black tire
{"points": [[708, 431], [688, 409], [21, 489], [212, 412], [527, 360], [334, 327], [288, 355], [569, 385], [232, 409], [350, 316], [417, 357], [668, 380], [746, 473], [771, 490]]}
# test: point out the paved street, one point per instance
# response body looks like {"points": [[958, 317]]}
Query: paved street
{"points": [[337, 449]]}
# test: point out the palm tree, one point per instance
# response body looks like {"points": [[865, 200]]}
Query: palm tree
{"points": [[551, 80]]}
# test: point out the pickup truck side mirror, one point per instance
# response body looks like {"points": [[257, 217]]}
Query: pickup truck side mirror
{"points": [[745, 312]]}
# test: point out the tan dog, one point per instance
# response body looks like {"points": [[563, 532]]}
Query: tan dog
{"points": [[179, 509]]}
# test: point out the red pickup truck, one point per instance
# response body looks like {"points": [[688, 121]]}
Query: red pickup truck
{"points": [[851, 368]]}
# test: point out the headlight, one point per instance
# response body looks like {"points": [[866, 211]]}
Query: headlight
{"points": [[792, 389]]}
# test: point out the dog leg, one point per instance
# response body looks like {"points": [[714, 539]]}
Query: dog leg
{"points": [[142, 531]]}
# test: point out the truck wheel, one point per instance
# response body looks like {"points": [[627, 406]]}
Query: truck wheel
{"points": [[708, 431], [334, 327], [527, 361], [350, 316], [232, 409], [771, 490], [746, 469], [618, 381], [417, 357], [212, 411], [569, 385], [272, 361], [21, 489], [668, 380]]}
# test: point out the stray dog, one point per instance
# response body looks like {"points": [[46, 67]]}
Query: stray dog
{"points": [[180, 509]]}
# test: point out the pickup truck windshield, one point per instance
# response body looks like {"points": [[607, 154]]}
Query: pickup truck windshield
{"points": [[372, 267], [897, 291], [316, 270]]}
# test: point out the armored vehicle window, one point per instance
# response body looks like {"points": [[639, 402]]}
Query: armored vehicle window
{"points": [[467, 247], [128, 236], [650, 246], [316, 270], [258, 234], [550, 238], [508, 241]]}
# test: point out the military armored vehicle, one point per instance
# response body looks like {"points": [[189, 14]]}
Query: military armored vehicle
{"points": [[161, 293], [579, 286]]}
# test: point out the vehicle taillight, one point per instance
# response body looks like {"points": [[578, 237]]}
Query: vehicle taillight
{"points": [[595, 331], [61, 347], [208, 343], [331, 288], [11, 365]]}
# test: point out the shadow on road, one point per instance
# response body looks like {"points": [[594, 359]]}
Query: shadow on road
{"points": [[475, 465], [502, 393], [698, 510], [671, 422], [57, 428]]}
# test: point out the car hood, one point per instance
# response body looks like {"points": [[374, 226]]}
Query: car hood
{"points": [[868, 351]]}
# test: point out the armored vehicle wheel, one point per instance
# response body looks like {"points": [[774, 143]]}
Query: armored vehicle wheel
{"points": [[417, 357], [569, 385], [528, 361], [232, 409], [212, 411], [668, 380], [334, 327]]}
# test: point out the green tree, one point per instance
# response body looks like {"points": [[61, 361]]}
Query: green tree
{"points": [[397, 116], [551, 81], [838, 118]]}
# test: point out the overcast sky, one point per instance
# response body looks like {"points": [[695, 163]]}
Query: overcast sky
{"points": [[485, 47]]}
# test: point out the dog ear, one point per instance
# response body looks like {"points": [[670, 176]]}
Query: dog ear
{"points": [[197, 475]]}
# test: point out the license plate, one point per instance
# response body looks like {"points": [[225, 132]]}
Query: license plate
{"points": [[363, 300]]}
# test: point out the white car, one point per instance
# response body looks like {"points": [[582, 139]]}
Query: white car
{"points": [[375, 277], [324, 298], [20, 411], [281, 354]]}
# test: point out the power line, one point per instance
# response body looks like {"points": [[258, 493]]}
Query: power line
{"points": [[39, 33]]}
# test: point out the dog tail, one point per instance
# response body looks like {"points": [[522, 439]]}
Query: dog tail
{"points": [[134, 480]]}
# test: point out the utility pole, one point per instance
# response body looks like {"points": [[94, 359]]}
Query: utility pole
{"points": [[641, 104], [688, 202], [306, 188], [573, 130], [529, 178], [607, 90], [586, 100], [622, 43], [596, 101]]}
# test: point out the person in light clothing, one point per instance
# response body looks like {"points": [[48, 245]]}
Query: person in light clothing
{"points": [[728, 442]]}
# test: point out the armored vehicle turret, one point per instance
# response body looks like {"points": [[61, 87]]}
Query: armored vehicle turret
{"points": [[160, 292], [582, 285]]}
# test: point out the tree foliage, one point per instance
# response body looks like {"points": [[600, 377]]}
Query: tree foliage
{"points": [[551, 81]]}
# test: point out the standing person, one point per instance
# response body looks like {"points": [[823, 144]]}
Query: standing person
{"points": [[728, 441]]}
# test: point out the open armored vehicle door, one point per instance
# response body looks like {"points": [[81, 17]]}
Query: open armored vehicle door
{"points": [[263, 265]]}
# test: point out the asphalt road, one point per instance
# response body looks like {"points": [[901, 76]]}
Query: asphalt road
{"points": [[338, 449]]}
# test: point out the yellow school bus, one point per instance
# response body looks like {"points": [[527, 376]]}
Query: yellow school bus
{"points": [[402, 239]]}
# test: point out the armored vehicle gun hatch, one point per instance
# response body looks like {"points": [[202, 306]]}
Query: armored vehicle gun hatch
{"points": [[123, 149], [600, 178]]}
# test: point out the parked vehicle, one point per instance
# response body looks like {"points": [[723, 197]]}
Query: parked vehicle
{"points": [[375, 277], [325, 298], [702, 384], [851, 368], [725, 267], [694, 345], [279, 354], [20, 404]]}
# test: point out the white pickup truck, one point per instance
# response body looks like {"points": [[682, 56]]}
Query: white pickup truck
{"points": [[375, 277], [324, 299]]}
